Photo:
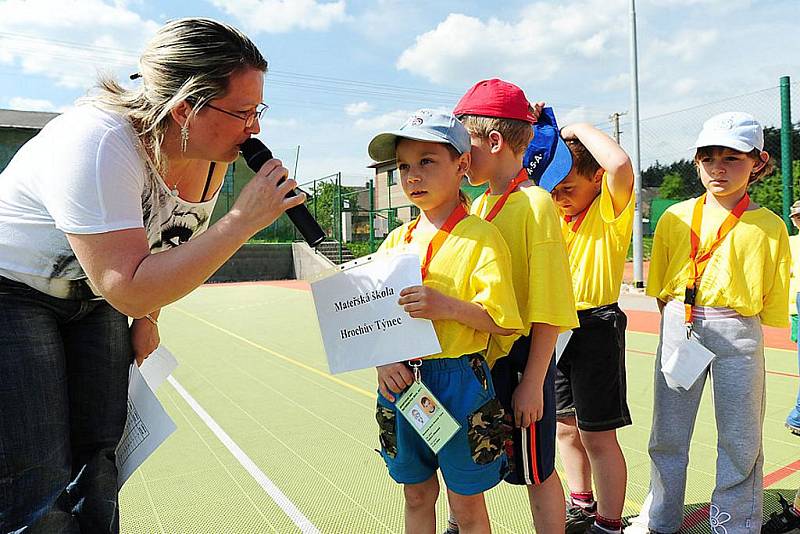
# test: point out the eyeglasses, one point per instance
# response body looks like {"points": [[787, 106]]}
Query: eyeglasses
{"points": [[249, 119]]}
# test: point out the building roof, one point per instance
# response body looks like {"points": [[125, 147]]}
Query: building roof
{"points": [[34, 120], [387, 163]]}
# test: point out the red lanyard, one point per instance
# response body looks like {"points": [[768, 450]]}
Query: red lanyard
{"points": [[521, 177], [577, 224], [438, 239], [698, 259]]}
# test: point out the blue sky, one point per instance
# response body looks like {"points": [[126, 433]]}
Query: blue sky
{"points": [[340, 71]]}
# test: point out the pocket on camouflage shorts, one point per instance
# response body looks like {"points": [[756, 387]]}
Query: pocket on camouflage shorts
{"points": [[387, 429], [487, 432]]}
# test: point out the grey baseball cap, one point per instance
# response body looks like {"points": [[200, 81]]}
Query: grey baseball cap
{"points": [[423, 125]]}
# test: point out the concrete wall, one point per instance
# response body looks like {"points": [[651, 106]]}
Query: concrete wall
{"points": [[258, 262], [307, 263]]}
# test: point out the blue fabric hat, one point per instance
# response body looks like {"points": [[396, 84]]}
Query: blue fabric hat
{"points": [[547, 158], [428, 125]]}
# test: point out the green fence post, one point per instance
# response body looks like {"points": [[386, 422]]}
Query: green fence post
{"points": [[786, 152], [371, 217]]}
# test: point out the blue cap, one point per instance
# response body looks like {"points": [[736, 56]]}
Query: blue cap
{"points": [[423, 125], [547, 158]]}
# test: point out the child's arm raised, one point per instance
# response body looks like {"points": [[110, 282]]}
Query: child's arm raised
{"points": [[611, 158], [426, 303]]}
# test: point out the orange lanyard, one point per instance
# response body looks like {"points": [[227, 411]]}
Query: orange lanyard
{"points": [[439, 238], [698, 259], [521, 177], [577, 224]]}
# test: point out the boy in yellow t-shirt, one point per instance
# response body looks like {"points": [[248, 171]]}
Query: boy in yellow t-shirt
{"points": [[595, 201], [719, 269], [499, 118], [465, 263]]}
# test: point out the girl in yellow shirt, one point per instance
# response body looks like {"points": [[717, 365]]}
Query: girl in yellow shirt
{"points": [[719, 269], [465, 268]]}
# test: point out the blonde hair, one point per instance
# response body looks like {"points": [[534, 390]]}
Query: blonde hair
{"points": [[188, 59], [517, 134]]}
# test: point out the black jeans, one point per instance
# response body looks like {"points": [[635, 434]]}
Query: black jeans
{"points": [[63, 403]]}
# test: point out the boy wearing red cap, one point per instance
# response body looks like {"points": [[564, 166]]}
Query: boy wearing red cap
{"points": [[498, 117], [595, 200]]}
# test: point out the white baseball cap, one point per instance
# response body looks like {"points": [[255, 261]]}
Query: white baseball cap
{"points": [[734, 129]]}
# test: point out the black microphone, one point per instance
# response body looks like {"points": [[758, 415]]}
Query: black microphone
{"points": [[256, 154]]}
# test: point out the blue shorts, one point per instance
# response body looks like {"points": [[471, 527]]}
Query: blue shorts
{"points": [[474, 460]]}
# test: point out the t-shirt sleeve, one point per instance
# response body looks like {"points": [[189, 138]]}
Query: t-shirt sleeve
{"points": [[491, 282], [551, 298], [659, 257], [776, 298], [620, 223], [97, 181]]}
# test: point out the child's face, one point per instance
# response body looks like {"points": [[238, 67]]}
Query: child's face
{"points": [[429, 173], [575, 192], [725, 172], [481, 168]]}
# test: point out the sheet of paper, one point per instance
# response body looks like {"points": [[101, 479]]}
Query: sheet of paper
{"points": [[561, 343], [146, 427], [427, 416], [157, 367], [684, 366], [360, 321]]}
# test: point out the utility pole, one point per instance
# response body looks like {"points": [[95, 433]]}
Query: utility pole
{"points": [[638, 271], [614, 117]]}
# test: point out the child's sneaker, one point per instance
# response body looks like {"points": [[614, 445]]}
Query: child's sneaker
{"points": [[778, 523], [579, 518], [793, 429]]}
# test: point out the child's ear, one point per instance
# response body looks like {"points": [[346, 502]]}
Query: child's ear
{"points": [[764, 156], [496, 141], [597, 179], [464, 161]]}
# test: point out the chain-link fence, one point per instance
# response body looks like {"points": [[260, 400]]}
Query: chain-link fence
{"points": [[357, 218], [668, 172]]}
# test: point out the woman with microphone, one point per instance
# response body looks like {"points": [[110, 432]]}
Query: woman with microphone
{"points": [[104, 216]]}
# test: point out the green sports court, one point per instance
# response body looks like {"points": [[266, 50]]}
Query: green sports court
{"points": [[269, 441]]}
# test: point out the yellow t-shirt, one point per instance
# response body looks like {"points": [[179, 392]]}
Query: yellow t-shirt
{"points": [[794, 287], [472, 265], [748, 272], [598, 250], [540, 269]]}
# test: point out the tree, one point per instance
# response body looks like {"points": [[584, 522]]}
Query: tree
{"points": [[673, 187]]}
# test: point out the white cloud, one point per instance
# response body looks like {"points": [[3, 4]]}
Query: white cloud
{"points": [[281, 16], [544, 38], [278, 123], [391, 120], [30, 104], [687, 45], [684, 86], [358, 108], [71, 40]]}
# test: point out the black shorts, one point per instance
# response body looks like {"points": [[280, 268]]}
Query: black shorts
{"points": [[531, 451], [590, 377]]}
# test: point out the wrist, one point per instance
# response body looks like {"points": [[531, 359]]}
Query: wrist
{"points": [[235, 223]]}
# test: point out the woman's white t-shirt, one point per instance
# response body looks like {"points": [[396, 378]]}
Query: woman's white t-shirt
{"points": [[84, 173]]}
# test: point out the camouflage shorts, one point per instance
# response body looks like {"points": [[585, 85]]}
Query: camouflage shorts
{"points": [[488, 432], [387, 428]]}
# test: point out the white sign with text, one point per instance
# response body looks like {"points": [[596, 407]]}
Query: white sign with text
{"points": [[362, 324]]}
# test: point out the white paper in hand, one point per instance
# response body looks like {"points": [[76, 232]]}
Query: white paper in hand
{"points": [[684, 366], [147, 425], [361, 323]]}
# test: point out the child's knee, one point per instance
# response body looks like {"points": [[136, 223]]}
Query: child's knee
{"points": [[422, 494], [599, 443], [567, 430], [469, 510]]}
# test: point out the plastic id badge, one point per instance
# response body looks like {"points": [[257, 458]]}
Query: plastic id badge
{"points": [[684, 366], [427, 416]]}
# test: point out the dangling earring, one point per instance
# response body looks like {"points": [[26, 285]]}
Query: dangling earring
{"points": [[184, 136]]}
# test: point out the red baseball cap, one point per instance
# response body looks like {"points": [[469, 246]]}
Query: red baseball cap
{"points": [[495, 98]]}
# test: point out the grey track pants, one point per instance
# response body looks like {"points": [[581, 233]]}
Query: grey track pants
{"points": [[737, 379]]}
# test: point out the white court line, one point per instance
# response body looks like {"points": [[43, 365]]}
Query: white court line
{"points": [[288, 507]]}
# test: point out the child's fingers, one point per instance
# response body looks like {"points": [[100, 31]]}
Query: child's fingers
{"points": [[385, 392], [408, 298], [410, 289]]}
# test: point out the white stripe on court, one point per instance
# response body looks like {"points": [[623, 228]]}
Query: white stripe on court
{"points": [[288, 507]]}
